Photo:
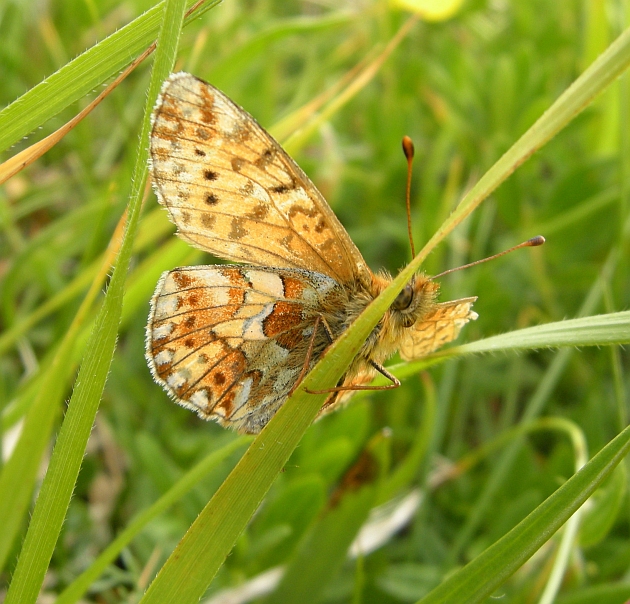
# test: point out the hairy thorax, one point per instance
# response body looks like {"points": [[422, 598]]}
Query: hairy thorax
{"points": [[411, 305]]}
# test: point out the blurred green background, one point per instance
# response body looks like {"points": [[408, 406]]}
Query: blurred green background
{"points": [[464, 89]]}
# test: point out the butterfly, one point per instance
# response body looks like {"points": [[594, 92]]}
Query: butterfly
{"points": [[232, 341]]}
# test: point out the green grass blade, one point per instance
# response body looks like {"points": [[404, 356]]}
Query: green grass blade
{"points": [[532, 410], [608, 66], [481, 577], [598, 330], [81, 75], [45, 394], [403, 475], [325, 547], [599, 594], [238, 60], [81, 584], [580, 449], [52, 503]]}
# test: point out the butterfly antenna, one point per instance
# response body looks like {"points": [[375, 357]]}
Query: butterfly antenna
{"points": [[408, 149], [533, 242]]}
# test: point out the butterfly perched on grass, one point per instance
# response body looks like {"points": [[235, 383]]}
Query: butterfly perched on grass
{"points": [[232, 341]]}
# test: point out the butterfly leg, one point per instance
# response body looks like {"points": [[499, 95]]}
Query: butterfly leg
{"points": [[390, 376], [309, 352], [395, 383]]}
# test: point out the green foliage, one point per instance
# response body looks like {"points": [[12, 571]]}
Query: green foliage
{"points": [[466, 90]]}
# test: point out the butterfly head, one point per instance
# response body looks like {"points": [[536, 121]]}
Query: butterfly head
{"points": [[414, 301]]}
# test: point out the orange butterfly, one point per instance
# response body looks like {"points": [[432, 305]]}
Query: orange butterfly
{"points": [[232, 341]]}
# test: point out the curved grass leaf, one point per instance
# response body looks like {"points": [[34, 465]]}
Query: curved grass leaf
{"points": [[598, 330], [532, 409], [481, 577], [81, 75]]}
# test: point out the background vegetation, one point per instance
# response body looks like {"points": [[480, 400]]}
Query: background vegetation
{"points": [[464, 89]]}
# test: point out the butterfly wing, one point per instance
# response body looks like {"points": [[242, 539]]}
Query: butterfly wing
{"points": [[233, 191], [230, 341], [441, 325]]}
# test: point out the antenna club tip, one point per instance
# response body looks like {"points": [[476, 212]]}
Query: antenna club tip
{"points": [[535, 241], [408, 148]]}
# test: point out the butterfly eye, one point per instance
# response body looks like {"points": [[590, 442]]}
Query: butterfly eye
{"points": [[404, 298]]}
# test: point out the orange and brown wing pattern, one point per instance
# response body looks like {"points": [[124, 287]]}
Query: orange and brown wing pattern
{"points": [[440, 326], [230, 341], [233, 191]]}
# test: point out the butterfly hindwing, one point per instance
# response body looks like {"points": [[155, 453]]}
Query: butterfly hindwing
{"points": [[230, 341]]}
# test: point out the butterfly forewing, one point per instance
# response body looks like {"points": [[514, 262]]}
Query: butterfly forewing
{"points": [[232, 190]]}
